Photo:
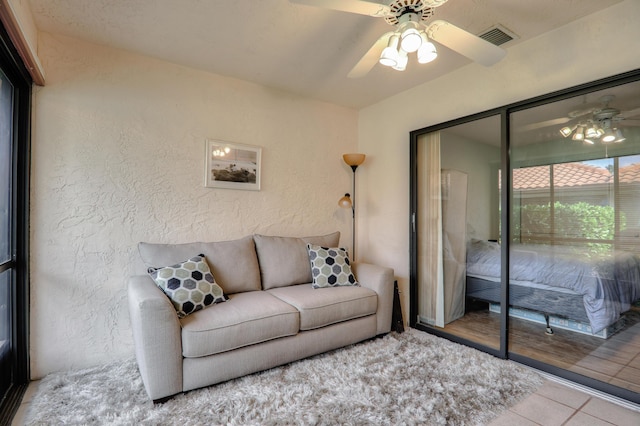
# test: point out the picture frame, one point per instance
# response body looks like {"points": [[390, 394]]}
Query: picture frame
{"points": [[232, 165]]}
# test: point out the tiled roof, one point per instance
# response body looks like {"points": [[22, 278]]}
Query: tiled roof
{"points": [[630, 173], [565, 175]]}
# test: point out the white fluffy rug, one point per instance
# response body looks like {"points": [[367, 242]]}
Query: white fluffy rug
{"points": [[408, 378]]}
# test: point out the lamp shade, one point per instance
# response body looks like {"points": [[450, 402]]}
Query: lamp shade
{"points": [[345, 202], [389, 56], [579, 134], [592, 132], [410, 39], [353, 159], [403, 60], [566, 131], [427, 53], [609, 136]]}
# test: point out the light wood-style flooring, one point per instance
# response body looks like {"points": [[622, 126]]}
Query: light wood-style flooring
{"points": [[615, 360]]}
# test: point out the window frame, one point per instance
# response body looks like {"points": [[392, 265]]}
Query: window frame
{"points": [[14, 69]]}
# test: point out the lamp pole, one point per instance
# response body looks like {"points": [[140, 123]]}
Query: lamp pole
{"points": [[353, 160]]}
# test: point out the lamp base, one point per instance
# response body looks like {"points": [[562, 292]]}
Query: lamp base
{"points": [[397, 322]]}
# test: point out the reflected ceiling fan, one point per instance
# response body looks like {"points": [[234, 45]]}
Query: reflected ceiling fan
{"points": [[411, 34], [590, 124]]}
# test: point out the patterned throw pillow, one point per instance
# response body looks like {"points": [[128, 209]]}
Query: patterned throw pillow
{"points": [[330, 267], [190, 285]]}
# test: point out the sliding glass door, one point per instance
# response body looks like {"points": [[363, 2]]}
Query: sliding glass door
{"points": [[15, 111], [525, 233], [458, 209], [575, 235]]}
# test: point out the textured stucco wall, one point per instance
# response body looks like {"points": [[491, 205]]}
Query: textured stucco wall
{"points": [[118, 144], [557, 60]]}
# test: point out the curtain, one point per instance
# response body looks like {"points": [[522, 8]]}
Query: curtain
{"points": [[429, 225], [454, 241]]}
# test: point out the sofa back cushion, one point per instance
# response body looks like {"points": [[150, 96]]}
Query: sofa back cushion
{"points": [[234, 263], [284, 261]]}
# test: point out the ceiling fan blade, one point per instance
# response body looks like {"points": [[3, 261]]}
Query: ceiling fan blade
{"points": [[547, 123], [631, 123], [465, 43], [361, 7], [370, 58], [581, 112], [630, 113]]}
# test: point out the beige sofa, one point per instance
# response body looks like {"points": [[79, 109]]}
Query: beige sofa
{"points": [[273, 315]]}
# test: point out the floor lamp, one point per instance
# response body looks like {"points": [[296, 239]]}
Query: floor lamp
{"points": [[348, 201]]}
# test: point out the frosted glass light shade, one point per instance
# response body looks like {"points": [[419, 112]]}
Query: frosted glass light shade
{"points": [[410, 40], [591, 133], [427, 53], [579, 134], [608, 136], [353, 159], [345, 202], [566, 131], [389, 56], [403, 60]]}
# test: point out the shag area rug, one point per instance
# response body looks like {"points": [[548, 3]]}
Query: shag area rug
{"points": [[408, 378]]}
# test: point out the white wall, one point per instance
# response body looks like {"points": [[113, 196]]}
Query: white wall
{"points": [[597, 46], [118, 144]]}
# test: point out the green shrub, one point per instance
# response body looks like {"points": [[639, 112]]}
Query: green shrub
{"points": [[582, 221]]}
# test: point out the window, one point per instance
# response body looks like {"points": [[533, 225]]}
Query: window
{"points": [[15, 96]]}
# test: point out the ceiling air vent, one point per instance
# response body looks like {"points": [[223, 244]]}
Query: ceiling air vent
{"points": [[498, 35]]}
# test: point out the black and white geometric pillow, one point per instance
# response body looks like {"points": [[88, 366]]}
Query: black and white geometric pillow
{"points": [[190, 285], [330, 267]]}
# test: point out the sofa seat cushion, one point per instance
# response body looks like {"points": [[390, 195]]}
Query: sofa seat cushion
{"points": [[324, 306], [245, 319]]}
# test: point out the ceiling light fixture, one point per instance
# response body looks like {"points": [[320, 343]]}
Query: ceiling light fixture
{"points": [[390, 55], [566, 131], [403, 60], [409, 38], [608, 136], [592, 130], [579, 134], [427, 51]]}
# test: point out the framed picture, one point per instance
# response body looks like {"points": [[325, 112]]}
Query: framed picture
{"points": [[232, 166]]}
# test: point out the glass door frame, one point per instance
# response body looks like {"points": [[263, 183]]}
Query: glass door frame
{"points": [[505, 231], [15, 71]]}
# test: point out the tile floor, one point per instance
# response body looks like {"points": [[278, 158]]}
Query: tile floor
{"points": [[557, 404], [553, 404]]}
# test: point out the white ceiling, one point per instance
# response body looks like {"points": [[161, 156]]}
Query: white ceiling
{"points": [[296, 48]]}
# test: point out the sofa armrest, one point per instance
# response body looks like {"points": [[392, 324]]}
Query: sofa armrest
{"points": [[156, 336], [380, 280]]}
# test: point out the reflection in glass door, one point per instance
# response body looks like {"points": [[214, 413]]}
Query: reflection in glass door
{"points": [[551, 260], [457, 231], [575, 235]]}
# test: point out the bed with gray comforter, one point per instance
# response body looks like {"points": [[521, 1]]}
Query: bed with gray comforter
{"points": [[558, 280]]}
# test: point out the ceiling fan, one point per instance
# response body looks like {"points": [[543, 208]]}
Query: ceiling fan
{"points": [[596, 123], [411, 34]]}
